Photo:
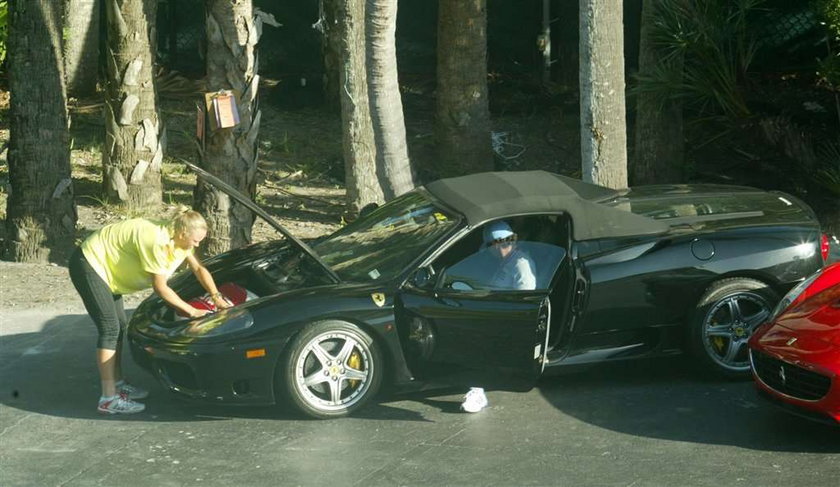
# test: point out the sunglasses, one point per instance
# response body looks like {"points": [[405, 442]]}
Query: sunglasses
{"points": [[503, 241]]}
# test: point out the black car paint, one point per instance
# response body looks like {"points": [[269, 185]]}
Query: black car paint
{"points": [[659, 277], [277, 319], [491, 317], [602, 333], [631, 313]]}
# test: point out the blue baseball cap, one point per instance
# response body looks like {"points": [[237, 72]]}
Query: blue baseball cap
{"points": [[497, 230]]}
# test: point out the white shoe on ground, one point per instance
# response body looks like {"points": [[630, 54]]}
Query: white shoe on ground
{"points": [[131, 391], [474, 400], [119, 404]]}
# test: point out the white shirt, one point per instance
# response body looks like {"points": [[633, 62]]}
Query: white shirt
{"points": [[515, 272]]}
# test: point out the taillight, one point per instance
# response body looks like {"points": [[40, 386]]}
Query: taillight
{"points": [[824, 247]]}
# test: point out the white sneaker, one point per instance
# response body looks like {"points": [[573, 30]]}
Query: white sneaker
{"points": [[474, 400], [131, 391], [119, 404]]}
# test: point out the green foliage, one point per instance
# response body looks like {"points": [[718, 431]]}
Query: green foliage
{"points": [[4, 28], [829, 67], [707, 47], [830, 11], [827, 174]]}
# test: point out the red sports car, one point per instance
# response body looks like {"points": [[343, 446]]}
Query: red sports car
{"points": [[795, 357]]}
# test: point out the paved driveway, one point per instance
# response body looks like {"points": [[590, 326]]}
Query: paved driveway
{"points": [[652, 423]]}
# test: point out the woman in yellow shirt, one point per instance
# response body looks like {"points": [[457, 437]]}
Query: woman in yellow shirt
{"points": [[127, 257]]}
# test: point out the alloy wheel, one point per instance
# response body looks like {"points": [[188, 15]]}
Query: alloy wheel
{"points": [[728, 325], [334, 370]]}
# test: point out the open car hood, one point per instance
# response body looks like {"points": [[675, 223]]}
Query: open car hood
{"points": [[245, 201]]}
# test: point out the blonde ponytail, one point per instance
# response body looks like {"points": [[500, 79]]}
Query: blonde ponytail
{"points": [[187, 221]]}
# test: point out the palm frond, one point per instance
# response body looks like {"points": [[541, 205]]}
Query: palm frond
{"points": [[712, 43]]}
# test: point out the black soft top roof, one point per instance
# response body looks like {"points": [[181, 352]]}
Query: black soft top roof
{"points": [[491, 195]]}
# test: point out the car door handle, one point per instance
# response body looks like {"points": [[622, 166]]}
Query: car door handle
{"points": [[450, 302], [577, 299]]}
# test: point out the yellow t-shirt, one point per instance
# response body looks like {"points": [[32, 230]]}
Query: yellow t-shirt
{"points": [[128, 253]]}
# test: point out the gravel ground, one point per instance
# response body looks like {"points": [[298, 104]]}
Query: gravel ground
{"points": [[33, 286]]}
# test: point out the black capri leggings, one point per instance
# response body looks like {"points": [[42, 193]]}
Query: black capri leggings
{"points": [[105, 308]]}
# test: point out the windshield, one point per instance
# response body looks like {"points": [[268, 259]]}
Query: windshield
{"points": [[380, 245]]}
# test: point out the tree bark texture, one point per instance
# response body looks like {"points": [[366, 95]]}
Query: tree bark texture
{"points": [[331, 50], [81, 46], [392, 163], [463, 112], [603, 133], [659, 143], [544, 42], [357, 131], [40, 211], [133, 149], [231, 153]]}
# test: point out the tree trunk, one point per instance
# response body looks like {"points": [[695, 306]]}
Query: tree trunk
{"points": [[357, 132], [40, 211], [231, 153], [544, 43], [81, 46], [392, 164], [331, 14], [603, 133], [133, 149], [659, 148], [463, 113]]}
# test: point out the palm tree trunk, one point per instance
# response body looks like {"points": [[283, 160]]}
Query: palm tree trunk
{"points": [[361, 182], [40, 211], [659, 147], [231, 153], [393, 165], [133, 149], [331, 28], [603, 133], [81, 46], [463, 112]]}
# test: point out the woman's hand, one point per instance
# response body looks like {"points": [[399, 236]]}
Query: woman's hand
{"points": [[206, 280], [221, 301], [198, 313]]}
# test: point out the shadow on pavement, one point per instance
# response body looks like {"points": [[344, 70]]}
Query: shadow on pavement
{"points": [[667, 399], [53, 372]]}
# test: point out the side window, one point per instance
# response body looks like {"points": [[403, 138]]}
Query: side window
{"points": [[516, 254]]}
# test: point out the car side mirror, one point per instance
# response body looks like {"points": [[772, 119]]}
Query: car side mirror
{"points": [[461, 286], [423, 277]]}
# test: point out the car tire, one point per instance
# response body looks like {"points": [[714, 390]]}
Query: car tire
{"points": [[727, 314], [332, 368]]}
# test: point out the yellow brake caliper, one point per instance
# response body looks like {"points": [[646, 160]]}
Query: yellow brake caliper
{"points": [[354, 362], [718, 341]]}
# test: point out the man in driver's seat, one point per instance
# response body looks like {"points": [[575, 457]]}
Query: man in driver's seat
{"points": [[516, 271]]}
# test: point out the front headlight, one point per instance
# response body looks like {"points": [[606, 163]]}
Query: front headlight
{"points": [[220, 323], [791, 296]]}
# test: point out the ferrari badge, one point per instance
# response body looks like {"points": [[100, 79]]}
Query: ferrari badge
{"points": [[378, 299]]}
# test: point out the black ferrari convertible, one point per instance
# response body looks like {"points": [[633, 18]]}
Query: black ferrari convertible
{"points": [[490, 279]]}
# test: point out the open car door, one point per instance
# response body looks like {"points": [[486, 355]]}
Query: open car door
{"points": [[488, 339], [463, 332]]}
